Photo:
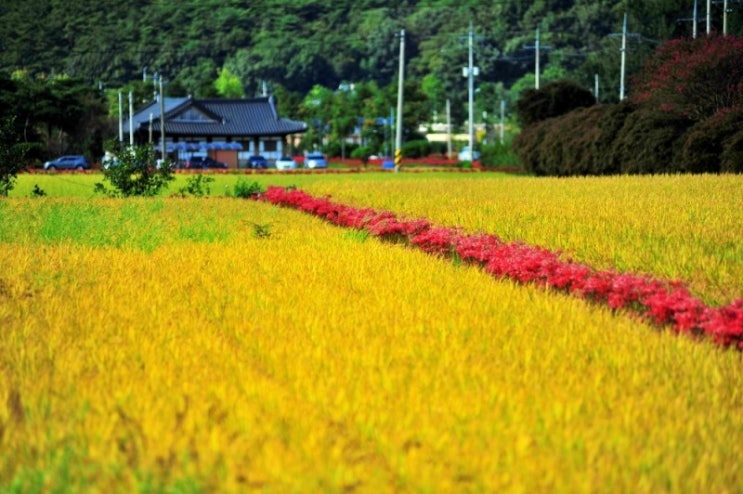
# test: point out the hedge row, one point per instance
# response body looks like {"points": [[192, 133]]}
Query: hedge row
{"points": [[631, 139]]}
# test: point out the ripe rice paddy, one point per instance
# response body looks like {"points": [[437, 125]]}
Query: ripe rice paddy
{"points": [[217, 344]]}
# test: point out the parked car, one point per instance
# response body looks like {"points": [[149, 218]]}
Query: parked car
{"points": [[286, 163], [315, 160], [466, 155], [204, 162], [257, 161], [69, 162]]}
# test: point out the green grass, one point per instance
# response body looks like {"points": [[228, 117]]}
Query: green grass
{"points": [[82, 184]]}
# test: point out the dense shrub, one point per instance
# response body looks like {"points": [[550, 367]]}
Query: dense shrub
{"points": [[361, 153], [440, 148], [551, 100], [704, 143], [649, 142], [573, 144], [731, 159], [566, 146], [609, 125], [418, 148], [527, 145], [497, 155], [602, 140], [684, 115]]}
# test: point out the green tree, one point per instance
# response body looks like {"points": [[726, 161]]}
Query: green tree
{"points": [[228, 85], [135, 174], [317, 110], [12, 154]]}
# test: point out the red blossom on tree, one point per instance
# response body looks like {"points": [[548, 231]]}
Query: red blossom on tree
{"points": [[695, 77]]}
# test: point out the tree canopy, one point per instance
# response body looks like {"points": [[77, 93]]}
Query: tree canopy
{"points": [[297, 44]]}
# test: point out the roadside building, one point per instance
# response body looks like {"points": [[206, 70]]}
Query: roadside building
{"points": [[228, 130]]}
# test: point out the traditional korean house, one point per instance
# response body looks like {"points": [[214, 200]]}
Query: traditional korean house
{"points": [[228, 130]]}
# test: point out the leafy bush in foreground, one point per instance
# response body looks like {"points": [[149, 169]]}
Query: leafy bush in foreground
{"points": [[135, 174]]}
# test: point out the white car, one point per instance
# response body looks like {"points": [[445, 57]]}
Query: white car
{"points": [[315, 160], [466, 155], [286, 163]]}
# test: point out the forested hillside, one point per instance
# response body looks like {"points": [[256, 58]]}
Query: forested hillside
{"points": [[296, 44]]}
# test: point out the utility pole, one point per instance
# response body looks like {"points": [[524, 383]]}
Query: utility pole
{"points": [[448, 129], [400, 87], [537, 56], [724, 15], [162, 123], [470, 72], [709, 17], [390, 122], [694, 21], [121, 119], [536, 61], [624, 57], [471, 86], [131, 119], [502, 120]]}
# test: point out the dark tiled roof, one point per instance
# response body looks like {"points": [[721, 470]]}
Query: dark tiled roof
{"points": [[217, 117]]}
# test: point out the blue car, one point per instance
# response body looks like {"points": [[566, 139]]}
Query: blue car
{"points": [[257, 161], [315, 160], [70, 162]]}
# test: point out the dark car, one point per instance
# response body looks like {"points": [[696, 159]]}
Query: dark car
{"points": [[257, 161], [204, 162], [69, 162]]}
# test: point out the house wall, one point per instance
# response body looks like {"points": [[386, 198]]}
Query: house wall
{"points": [[225, 156]]}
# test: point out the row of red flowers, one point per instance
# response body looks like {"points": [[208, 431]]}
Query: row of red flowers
{"points": [[663, 303]]}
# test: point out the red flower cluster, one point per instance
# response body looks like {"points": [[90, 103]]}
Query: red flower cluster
{"points": [[659, 302]]}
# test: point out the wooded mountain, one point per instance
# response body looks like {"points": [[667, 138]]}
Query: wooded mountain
{"points": [[296, 44]]}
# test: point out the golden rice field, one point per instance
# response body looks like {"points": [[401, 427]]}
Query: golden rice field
{"points": [[224, 345]]}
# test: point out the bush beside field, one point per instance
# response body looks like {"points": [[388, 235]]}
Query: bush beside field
{"points": [[683, 115]]}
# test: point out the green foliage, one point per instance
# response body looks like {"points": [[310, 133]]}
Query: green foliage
{"points": [[38, 191], [55, 115], [419, 148], [362, 153], [261, 230], [578, 143], [228, 85], [649, 142], [551, 100], [731, 159], [197, 185], [497, 155], [135, 174], [246, 190], [704, 143], [12, 154]]}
